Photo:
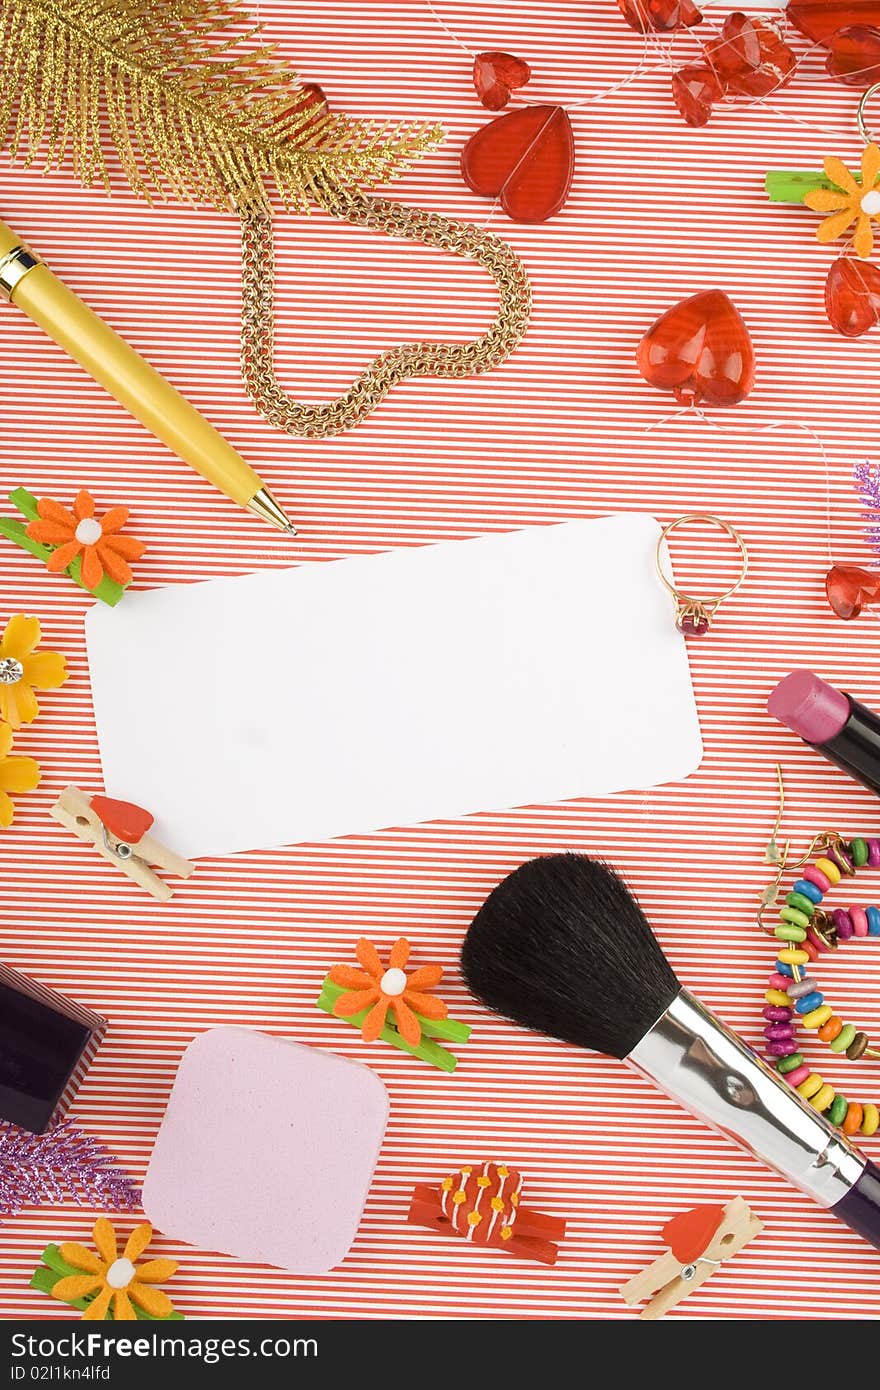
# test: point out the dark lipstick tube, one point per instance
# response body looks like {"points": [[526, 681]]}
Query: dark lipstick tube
{"points": [[845, 731]]}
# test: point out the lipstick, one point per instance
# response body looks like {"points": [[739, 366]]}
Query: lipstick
{"points": [[846, 732]]}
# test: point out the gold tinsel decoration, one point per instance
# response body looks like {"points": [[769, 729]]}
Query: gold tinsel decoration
{"points": [[187, 97]]}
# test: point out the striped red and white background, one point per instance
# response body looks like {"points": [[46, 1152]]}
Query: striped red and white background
{"points": [[566, 429]]}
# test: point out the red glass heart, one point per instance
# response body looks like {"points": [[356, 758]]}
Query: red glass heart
{"points": [[661, 15], [850, 589], [525, 158], [852, 296], [701, 351], [750, 58], [496, 75], [820, 20], [694, 91], [855, 56], [689, 1234]]}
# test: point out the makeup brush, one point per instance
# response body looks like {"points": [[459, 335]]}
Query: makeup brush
{"points": [[562, 946]]}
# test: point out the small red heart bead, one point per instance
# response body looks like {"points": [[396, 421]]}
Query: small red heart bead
{"points": [[695, 90], [309, 103], [850, 589], [661, 15], [525, 158], [820, 20], [852, 296], [496, 75], [855, 56], [750, 58], [701, 351]]}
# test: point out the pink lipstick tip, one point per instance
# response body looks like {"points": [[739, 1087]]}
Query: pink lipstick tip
{"points": [[809, 706]]}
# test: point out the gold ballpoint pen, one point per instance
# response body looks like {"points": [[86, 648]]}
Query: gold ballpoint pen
{"points": [[28, 283]]}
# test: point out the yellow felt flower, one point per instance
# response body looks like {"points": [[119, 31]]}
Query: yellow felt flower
{"points": [[115, 1278], [16, 775], [23, 668], [851, 201]]}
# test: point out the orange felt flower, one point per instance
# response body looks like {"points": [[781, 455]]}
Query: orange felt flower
{"points": [[379, 989], [852, 200], [80, 532], [115, 1278]]}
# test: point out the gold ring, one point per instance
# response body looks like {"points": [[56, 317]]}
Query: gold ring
{"points": [[863, 106], [694, 616]]}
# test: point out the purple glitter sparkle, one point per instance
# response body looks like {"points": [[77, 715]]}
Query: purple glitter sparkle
{"points": [[63, 1164], [866, 480]]}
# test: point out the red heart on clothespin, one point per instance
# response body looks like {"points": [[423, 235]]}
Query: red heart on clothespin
{"points": [[689, 1234], [496, 75], [661, 15], [701, 351], [125, 821], [850, 589], [852, 296], [525, 158]]}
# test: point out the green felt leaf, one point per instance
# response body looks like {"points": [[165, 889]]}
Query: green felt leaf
{"points": [[791, 185]]}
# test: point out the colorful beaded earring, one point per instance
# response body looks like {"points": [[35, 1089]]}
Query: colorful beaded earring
{"points": [[805, 931]]}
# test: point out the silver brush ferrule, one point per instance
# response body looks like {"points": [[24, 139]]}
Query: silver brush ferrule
{"points": [[698, 1061]]}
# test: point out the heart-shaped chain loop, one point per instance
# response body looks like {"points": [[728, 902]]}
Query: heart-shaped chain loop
{"points": [[426, 358]]}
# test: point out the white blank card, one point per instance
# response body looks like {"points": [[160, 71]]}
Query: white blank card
{"points": [[360, 694]]}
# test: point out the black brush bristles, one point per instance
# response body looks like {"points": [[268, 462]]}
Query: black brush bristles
{"points": [[562, 946]]}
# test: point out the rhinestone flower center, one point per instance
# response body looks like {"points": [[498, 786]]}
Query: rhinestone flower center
{"points": [[11, 671]]}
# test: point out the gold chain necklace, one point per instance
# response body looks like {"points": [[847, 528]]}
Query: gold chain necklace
{"points": [[424, 358], [214, 116]]}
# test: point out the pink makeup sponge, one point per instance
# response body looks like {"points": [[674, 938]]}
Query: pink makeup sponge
{"points": [[266, 1151]]}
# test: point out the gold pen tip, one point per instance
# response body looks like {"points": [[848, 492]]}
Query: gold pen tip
{"points": [[264, 505]]}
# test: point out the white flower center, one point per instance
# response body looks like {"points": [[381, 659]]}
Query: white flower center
{"points": [[393, 982], [120, 1274], [88, 532], [11, 671], [871, 202]]}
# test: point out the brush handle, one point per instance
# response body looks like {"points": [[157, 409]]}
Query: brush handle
{"points": [[696, 1059], [860, 1208]]}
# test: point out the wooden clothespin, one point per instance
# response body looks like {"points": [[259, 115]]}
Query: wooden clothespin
{"points": [[119, 831], [699, 1241]]}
